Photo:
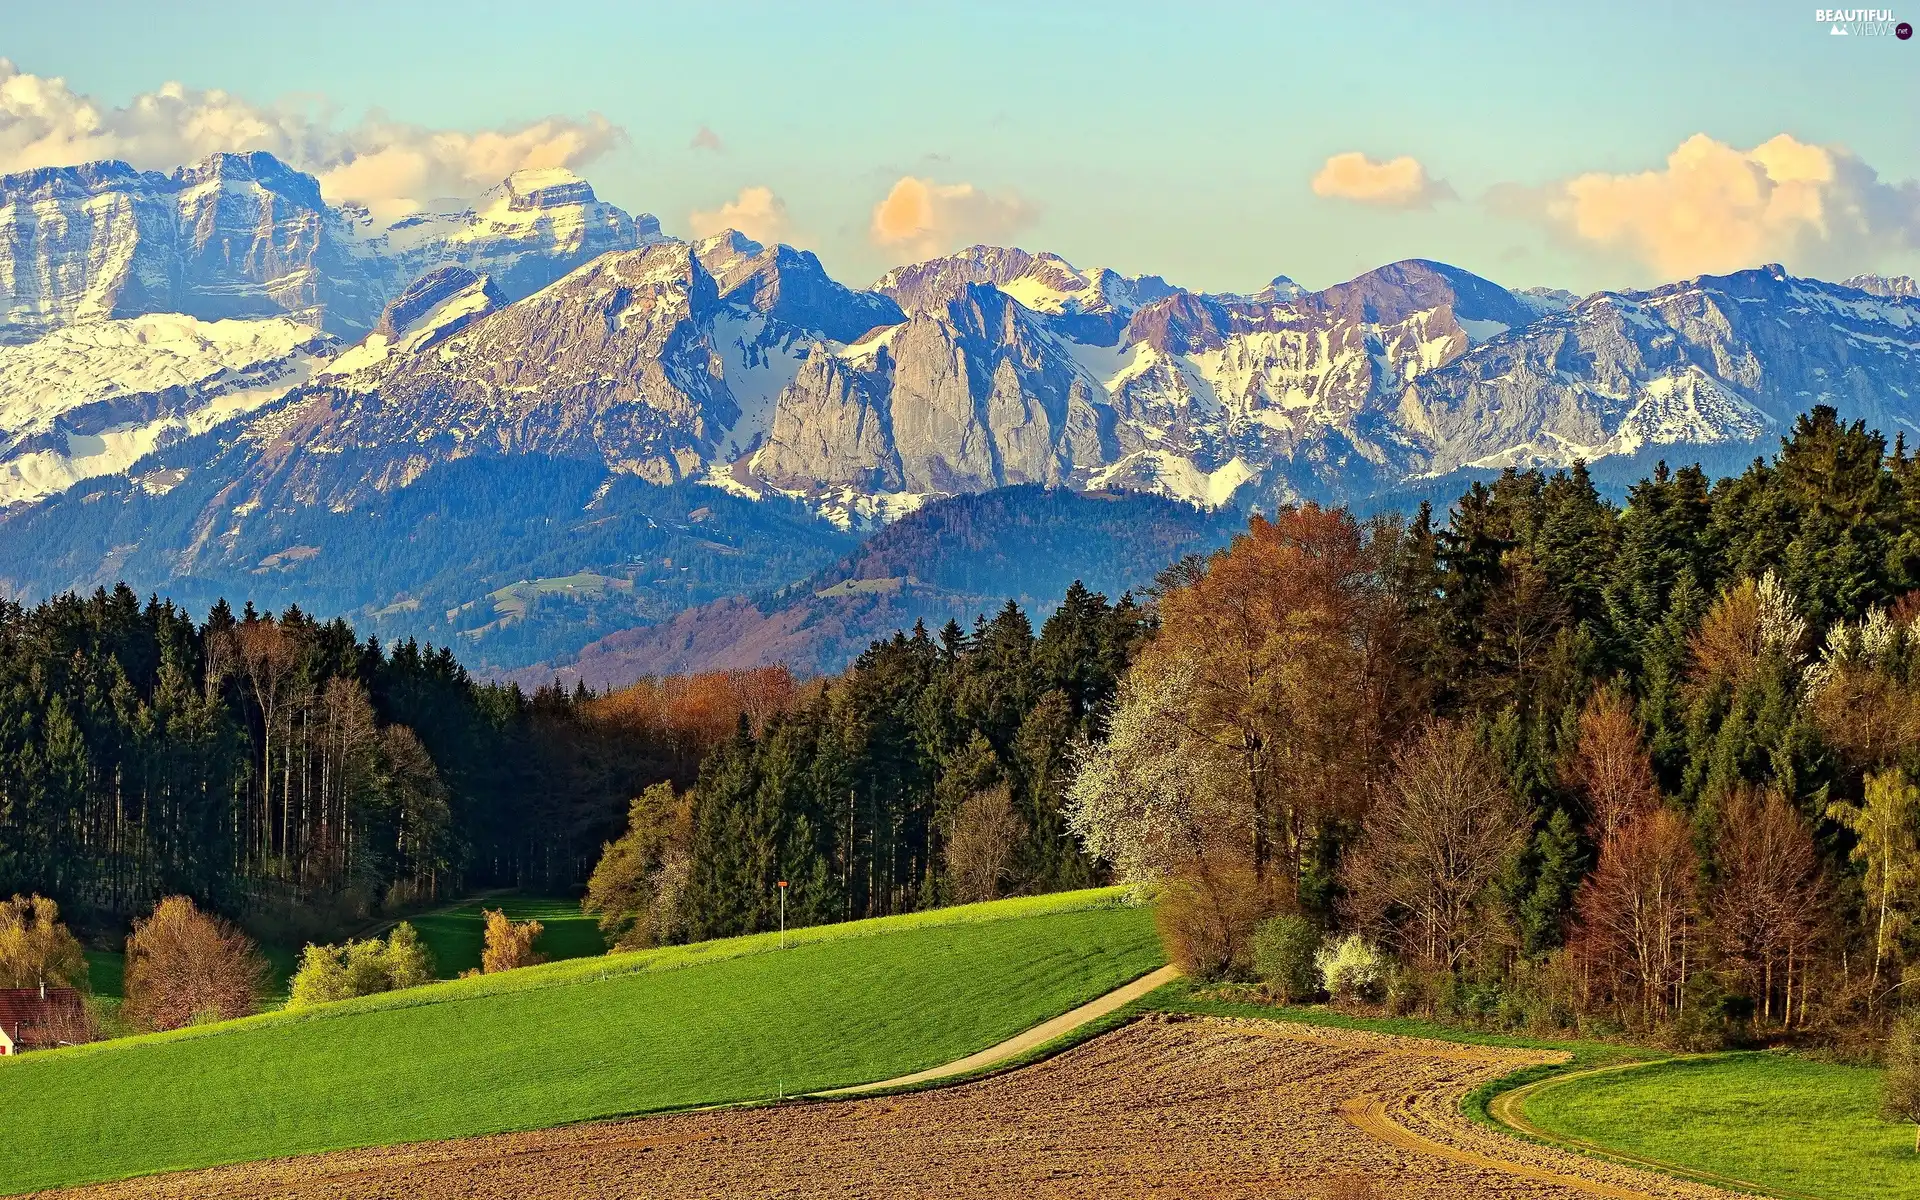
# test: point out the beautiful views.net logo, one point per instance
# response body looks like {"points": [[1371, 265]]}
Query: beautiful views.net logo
{"points": [[1862, 22]]}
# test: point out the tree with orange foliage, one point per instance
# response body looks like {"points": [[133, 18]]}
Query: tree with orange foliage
{"points": [[1610, 767], [1290, 640], [1768, 901], [694, 713], [184, 967], [1637, 914], [1750, 622]]}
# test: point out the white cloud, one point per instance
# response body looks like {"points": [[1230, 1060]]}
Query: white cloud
{"points": [[1396, 183], [706, 139], [390, 166], [756, 212], [1715, 208], [927, 218]]}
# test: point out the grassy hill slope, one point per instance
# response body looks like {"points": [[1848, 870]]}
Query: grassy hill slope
{"points": [[727, 1021]]}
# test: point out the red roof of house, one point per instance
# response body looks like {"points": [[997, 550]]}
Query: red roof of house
{"points": [[24, 1006]]}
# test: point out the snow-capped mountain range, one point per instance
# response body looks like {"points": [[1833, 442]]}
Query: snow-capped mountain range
{"points": [[144, 308], [217, 351]]}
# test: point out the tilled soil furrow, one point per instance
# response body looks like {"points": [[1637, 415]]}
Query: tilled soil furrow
{"points": [[1204, 1109]]}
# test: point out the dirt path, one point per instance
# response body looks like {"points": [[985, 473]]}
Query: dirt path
{"points": [[1205, 1109], [1032, 1039]]}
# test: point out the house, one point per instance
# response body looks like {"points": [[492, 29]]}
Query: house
{"points": [[32, 1018]]}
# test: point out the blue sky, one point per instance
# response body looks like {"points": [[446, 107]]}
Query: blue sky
{"points": [[1180, 140]]}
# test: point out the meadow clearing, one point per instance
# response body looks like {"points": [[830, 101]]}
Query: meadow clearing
{"points": [[717, 1022], [1787, 1123]]}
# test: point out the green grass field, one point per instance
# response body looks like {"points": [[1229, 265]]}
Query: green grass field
{"points": [[727, 1021], [1771, 1119], [456, 935]]}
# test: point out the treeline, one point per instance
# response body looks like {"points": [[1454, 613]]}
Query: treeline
{"points": [[280, 766], [1555, 761], [932, 771]]}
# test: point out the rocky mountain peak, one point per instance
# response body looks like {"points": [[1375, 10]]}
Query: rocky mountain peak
{"points": [[1893, 287], [260, 169], [545, 187], [1044, 282], [1393, 293], [407, 311]]}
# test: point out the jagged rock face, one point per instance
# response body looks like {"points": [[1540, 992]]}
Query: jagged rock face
{"points": [[975, 396], [245, 236], [613, 363], [1709, 361], [1091, 305], [791, 289], [1197, 396], [238, 235], [531, 229], [1412, 370], [1893, 286]]}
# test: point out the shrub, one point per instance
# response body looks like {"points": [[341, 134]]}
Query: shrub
{"points": [[185, 967], [1352, 969], [1207, 914], [366, 968], [361, 968], [35, 947], [509, 943], [409, 962], [320, 979], [1900, 1087], [1283, 957]]}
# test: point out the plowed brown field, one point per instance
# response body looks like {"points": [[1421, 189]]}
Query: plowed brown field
{"points": [[1162, 1108]]}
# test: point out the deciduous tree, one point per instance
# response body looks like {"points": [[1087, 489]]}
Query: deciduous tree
{"points": [[980, 847], [1886, 831], [1433, 845], [184, 966], [1638, 911], [1610, 767], [35, 948], [1766, 904]]}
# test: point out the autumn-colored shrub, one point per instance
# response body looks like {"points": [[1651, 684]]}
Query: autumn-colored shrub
{"points": [[184, 967], [1208, 912], [509, 943]]}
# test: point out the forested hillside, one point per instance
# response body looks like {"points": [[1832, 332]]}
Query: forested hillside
{"points": [[951, 561], [1554, 762], [279, 766]]}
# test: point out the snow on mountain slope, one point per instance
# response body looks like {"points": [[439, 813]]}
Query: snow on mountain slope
{"points": [[527, 231], [1709, 361], [233, 236], [244, 235], [544, 321], [92, 399]]}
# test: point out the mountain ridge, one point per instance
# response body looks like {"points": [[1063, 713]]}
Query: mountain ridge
{"points": [[318, 369]]}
